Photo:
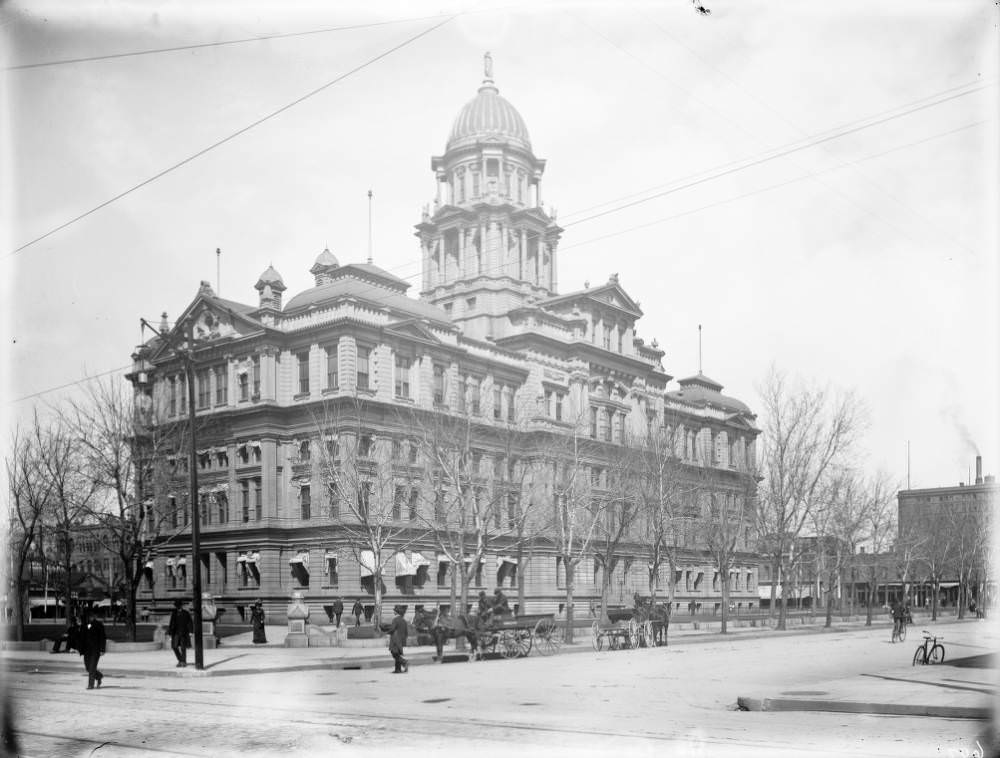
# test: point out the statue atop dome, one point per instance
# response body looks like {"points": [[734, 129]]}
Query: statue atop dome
{"points": [[488, 65]]}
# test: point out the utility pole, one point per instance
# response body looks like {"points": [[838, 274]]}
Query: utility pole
{"points": [[188, 355]]}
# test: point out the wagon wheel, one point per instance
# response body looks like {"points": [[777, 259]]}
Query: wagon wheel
{"points": [[647, 633], [633, 633], [548, 636], [598, 639], [524, 641], [509, 647]]}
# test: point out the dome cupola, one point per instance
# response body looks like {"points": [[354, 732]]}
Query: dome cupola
{"points": [[489, 117], [325, 263], [270, 286]]}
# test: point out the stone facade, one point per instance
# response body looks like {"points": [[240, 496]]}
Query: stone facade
{"points": [[284, 389]]}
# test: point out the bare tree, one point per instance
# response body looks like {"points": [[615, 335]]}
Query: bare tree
{"points": [[123, 445], [615, 494], [879, 529], [808, 433], [907, 555], [723, 532], [838, 527], [662, 487], [357, 469], [970, 546], [937, 555], [563, 474], [30, 492]]}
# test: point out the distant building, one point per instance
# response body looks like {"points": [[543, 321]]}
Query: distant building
{"points": [[923, 512], [341, 365]]}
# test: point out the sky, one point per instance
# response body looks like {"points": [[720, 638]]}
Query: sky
{"points": [[813, 183]]}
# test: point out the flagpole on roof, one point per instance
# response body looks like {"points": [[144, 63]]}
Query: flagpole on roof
{"points": [[370, 196]]}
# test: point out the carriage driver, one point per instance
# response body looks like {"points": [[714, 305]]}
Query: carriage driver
{"points": [[485, 607], [500, 606]]}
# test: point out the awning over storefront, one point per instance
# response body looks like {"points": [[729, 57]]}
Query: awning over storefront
{"points": [[404, 566], [39, 602], [366, 559]]}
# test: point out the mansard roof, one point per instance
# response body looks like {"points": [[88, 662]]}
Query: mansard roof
{"points": [[365, 289], [699, 390]]}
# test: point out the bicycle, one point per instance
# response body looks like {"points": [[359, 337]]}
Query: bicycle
{"points": [[929, 654]]}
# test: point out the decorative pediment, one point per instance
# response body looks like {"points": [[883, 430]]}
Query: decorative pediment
{"points": [[412, 329]]}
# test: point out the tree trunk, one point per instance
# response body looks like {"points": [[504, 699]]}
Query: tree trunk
{"points": [[570, 578], [775, 568], [377, 587], [520, 578], [605, 587], [934, 599], [962, 599], [871, 590], [783, 611], [831, 579], [725, 601]]}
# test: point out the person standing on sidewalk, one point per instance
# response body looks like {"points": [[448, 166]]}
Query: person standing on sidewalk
{"points": [[257, 622], [93, 643], [179, 629], [397, 640], [357, 612], [338, 610]]}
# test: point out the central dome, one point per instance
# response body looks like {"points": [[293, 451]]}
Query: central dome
{"points": [[489, 116]]}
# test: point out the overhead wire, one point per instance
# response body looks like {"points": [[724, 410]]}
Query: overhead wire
{"points": [[233, 135], [372, 288], [218, 43]]}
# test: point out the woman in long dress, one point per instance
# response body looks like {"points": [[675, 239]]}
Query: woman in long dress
{"points": [[257, 622]]}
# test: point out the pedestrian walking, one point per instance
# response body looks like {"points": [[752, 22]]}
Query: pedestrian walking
{"points": [[397, 640], [257, 622], [179, 630], [93, 643], [338, 610], [357, 612]]}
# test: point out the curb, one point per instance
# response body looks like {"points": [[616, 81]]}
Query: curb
{"points": [[851, 706]]}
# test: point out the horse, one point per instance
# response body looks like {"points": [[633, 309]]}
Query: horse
{"points": [[441, 626], [658, 614]]}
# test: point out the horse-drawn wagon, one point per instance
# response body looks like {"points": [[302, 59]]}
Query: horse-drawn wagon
{"points": [[511, 636], [644, 625]]}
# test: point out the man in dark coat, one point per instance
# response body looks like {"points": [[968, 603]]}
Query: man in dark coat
{"points": [[500, 604], [397, 640], [338, 610], [93, 643], [180, 629], [357, 611]]}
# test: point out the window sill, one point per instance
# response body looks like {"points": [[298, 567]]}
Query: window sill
{"points": [[331, 390], [405, 399], [300, 396]]}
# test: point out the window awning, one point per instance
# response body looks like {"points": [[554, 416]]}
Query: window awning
{"points": [[300, 559], [404, 567], [947, 585], [764, 592], [417, 560], [38, 602], [170, 562], [443, 558], [149, 565], [182, 561], [331, 554], [253, 557], [508, 559], [366, 559]]}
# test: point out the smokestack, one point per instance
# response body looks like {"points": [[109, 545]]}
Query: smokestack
{"points": [[979, 469]]}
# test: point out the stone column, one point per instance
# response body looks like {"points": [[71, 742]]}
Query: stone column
{"points": [[522, 253]]}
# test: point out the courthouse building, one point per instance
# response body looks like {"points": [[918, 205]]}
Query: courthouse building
{"points": [[285, 385]]}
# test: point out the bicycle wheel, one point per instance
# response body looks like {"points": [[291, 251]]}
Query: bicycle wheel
{"points": [[936, 654], [918, 657], [902, 633], [597, 639]]}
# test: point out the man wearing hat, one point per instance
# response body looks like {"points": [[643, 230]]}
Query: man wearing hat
{"points": [[500, 605], [397, 640], [92, 643], [179, 629]]}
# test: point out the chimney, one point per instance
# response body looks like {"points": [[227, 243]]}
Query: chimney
{"points": [[979, 469]]}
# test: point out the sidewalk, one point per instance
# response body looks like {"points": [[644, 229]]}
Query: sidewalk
{"points": [[239, 656], [962, 688]]}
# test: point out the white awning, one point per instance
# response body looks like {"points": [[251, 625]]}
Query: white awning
{"points": [[253, 557], [149, 565], [182, 561], [300, 559], [404, 566], [508, 559], [331, 554], [947, 585], [468, 559], [367, 562], [764, 592], [170, 562], [417, 560], [38, 602], [443, 558]]}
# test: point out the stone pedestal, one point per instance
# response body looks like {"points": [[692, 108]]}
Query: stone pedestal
{"points": [[297, 614], [208, 614]]}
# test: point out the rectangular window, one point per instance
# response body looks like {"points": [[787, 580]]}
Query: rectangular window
{"points": [[510, 407], [475, 396], [559, 406], [333, 495], [607, 337], [403, 364], [222, 506], [182, 386], [305, 502], [610, 426], [305, 451], [414, 499], [438, 384], [399, 497], [174, 513], [463, 389], [245, 499], [442, 574], [332, 368], [439, 506], [204, 377], [470, 304], [397, 450], [221, 386], [303, 362], [244, 382], [364, 499], [412, 452], [593, 423], [497, 401], [255, 374], [366, 445], [621, 340], [258, 504], [332, 577], [172, 396], [364, 354]]}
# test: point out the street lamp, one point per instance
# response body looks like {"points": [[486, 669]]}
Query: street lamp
{"points": [[188, 355]]}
